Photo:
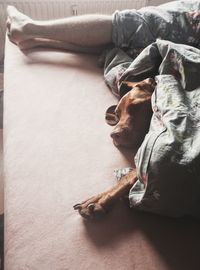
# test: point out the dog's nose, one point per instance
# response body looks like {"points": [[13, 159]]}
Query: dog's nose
{"points": [[121, 136], [115, 135]]}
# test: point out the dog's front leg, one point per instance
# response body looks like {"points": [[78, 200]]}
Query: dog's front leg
{"points": [[98, 205]]}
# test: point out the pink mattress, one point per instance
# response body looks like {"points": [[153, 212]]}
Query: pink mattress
{"points": [[57, 152]]}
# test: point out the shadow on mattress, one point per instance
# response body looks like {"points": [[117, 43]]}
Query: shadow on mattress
{"points": [[175, 241]]}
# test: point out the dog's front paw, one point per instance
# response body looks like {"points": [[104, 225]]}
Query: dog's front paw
{"points": [[93, 208]]}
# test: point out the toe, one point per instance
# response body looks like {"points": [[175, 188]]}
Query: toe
{"points": [[10, 38], [91, 207], [85, 213], [8, 24]]}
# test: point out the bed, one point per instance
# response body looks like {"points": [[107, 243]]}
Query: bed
{"points": [[57, 152]]}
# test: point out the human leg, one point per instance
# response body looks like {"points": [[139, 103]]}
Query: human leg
{"points": [[86, 30], [49, 43]]}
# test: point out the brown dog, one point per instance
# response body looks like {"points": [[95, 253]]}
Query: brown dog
{"points": [[131, 118], [132, 115]]}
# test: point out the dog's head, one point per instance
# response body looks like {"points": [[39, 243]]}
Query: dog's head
{"points": [[132, 116]]}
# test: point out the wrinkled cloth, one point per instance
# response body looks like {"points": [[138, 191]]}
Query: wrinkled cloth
{"points": [[177, 22], [169, 157], [168, 161], [134, 30]]}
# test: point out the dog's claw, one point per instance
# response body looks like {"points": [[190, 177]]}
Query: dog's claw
{"points": [[91, 207], [77, 206]]}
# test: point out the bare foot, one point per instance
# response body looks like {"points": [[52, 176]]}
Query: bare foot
{"points": [[16, 25]]}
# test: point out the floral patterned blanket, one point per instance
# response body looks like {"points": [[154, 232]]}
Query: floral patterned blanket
{"points": [[169, 157], [134, 30]]}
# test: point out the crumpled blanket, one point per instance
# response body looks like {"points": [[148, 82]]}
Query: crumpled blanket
{"points": [[169, 157], [134, 30], [168, 161]]}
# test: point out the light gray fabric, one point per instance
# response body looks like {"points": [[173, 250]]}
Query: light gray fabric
{"points": [[169, 158], [134, 30], [176, 21]]}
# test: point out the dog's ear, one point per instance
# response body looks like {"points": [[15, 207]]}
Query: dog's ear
{"points": [[125, 87], [150, 85], [147, 84], [111, 118], [128, 84]]}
